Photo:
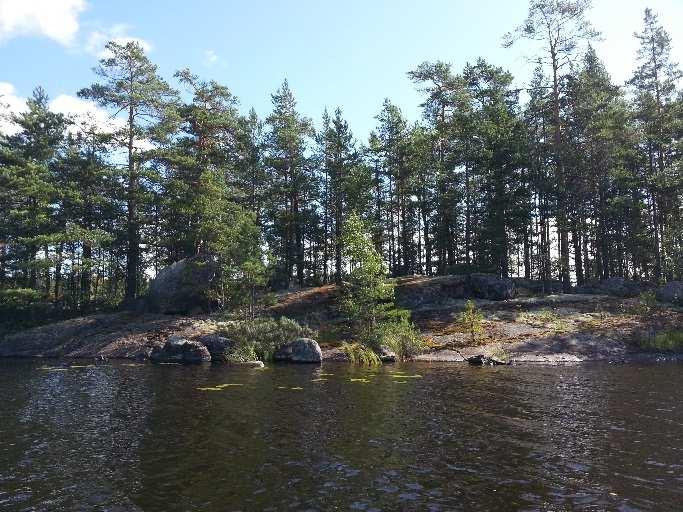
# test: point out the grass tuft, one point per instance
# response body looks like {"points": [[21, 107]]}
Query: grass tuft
{"points": [[361, 355]]}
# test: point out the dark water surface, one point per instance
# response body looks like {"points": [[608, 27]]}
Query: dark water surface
{"points": [[140, 437]]}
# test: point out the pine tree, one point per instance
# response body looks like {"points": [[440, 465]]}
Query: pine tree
{"points": [[131, 86], [29, 189], [291, 184], [499, 144], [654, 82], [560, 26], [86, 215], [347, 182]]}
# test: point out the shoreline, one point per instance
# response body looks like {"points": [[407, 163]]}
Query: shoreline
{"points": [[551, 329], [633, 359]]}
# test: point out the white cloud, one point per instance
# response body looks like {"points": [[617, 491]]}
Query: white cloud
{"points": [[211, 58], [84, 113], [10, 104], [55, 19], [97, 40]]}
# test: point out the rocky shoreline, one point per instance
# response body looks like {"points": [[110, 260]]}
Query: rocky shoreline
{"points": [[552, 330], [521, 322]]}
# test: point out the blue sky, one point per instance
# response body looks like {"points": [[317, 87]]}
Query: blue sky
{"points": [[349, 53]]}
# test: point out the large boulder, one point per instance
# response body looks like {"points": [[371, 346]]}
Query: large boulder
{"points": [[671, 292], [301, 350], [615, 286], [223, 349], [491, 287], [415, 292], [218, 346], [180, 350], [532, 287], [412, 292], [183, 287]]}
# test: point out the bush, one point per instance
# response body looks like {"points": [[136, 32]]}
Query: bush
{"points": [[18, 298], [472, 319], [670, 341], [647, 304], [23, 308], [261, 337], [401, 337], [361, 355]]}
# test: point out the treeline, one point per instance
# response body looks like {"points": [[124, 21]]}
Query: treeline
{"points": [[572, 178]]}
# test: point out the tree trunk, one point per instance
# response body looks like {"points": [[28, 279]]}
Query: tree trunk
{"points": [[132, 232]]}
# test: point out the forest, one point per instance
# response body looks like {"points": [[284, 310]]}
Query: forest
{"points": [[571, 178]]}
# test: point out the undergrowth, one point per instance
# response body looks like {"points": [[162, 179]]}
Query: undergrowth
{"points": [[361, 355], [668, 341], [261, 337]]}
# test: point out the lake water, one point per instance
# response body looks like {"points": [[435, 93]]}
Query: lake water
{"points": [[120, 437]]}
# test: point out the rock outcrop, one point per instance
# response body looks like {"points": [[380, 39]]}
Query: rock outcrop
{"points": [[418, 291], [482, 360], [491, 287], [182, 287], [301, 350], [535, 287], [180, 350], [616, 287]]}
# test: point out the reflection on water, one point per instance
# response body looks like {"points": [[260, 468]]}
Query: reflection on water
{"points": [[415, 437]]}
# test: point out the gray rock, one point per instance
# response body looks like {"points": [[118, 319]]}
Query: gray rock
{"points": [[671, 292], [491, 287], [180, 350], [218, 346], [301, 350], [533, 287], [615, 286], [482, 360], [183, 286], [420, 291], [387, 355]]}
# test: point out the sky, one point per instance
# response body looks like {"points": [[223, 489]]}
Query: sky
{"points": [[350, 53]]}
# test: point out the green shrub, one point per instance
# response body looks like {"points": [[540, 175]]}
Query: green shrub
{"points": [[669, 341], [261, 337], [401, 337], [361, 355], [472, 319], [647, 304], [18, 298]]}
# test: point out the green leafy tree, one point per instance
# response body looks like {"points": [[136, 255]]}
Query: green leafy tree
{"points": [[367, 296]]}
